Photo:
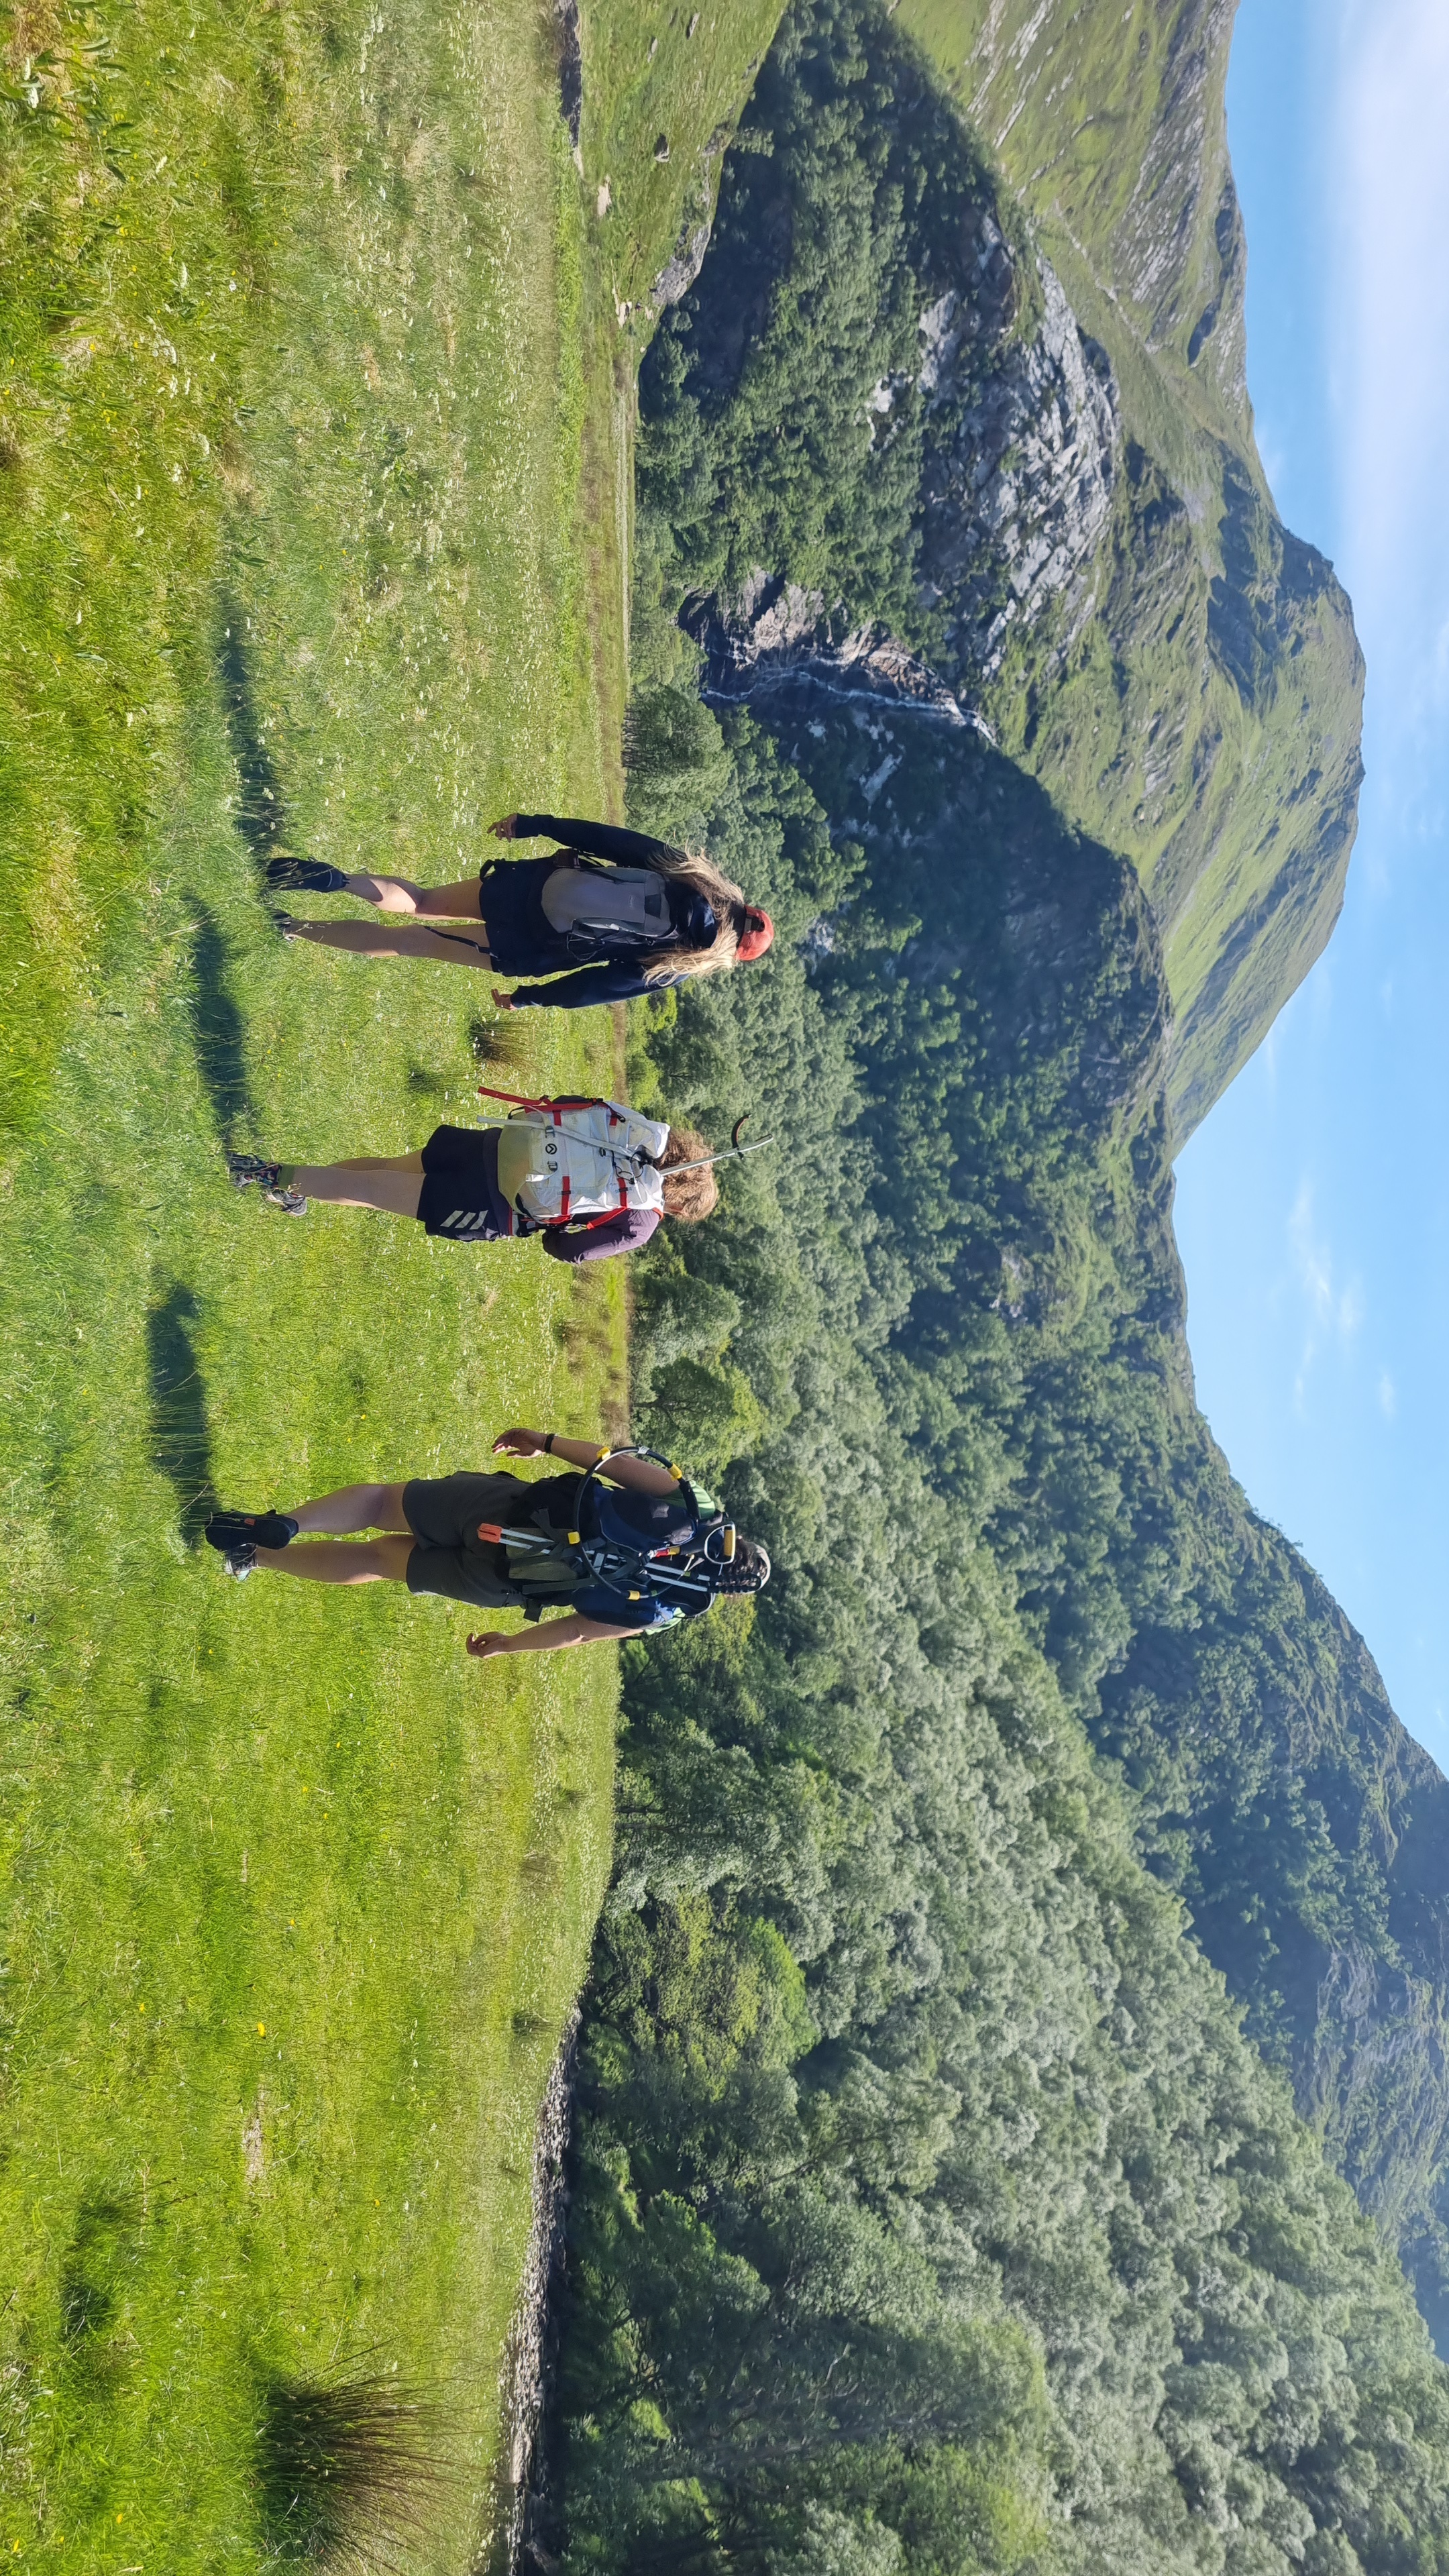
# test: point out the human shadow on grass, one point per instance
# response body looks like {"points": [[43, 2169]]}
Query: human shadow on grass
{"points": [[180, 1425], [218, 1028], [106, 2224], [96, 2275], [347, 2474], [261, 817]]}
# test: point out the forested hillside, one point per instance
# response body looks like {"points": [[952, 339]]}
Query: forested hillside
{"points": [[984, 1901], [1060, 505], [930, 2209]]}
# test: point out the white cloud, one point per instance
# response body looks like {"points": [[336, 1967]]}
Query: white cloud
{"points": [[1334, 1311]]}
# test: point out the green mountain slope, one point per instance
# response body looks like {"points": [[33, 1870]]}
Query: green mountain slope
{"points": [[931, 2210], [1207, 721], [855, 202], [982, 1898], [1055, 498]]}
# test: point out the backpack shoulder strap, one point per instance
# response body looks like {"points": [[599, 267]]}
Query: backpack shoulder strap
{"points": [[560, 1101]]}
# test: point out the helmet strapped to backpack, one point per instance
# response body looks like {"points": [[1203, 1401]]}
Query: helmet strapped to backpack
{"points": [[676, 1550], [668, 1545]]}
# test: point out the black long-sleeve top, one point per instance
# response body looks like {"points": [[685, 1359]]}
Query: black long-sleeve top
{"points": [[618, 979], [612, 841]]}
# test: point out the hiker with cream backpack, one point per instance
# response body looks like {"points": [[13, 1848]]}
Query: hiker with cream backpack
{"points": [[591, 1177]]}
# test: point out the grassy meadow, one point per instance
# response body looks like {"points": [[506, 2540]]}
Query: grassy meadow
{"points": [[303, 424]]}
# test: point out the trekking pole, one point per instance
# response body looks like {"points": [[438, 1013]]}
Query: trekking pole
{"points": [[676, 1578], [633, 1155]]}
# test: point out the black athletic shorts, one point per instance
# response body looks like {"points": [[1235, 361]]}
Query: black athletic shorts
{"points": [[460, 1197], [521, 938]]}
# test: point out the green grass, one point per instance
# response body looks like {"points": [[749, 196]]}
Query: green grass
{"points": [[297, 1897], [648, 79]]}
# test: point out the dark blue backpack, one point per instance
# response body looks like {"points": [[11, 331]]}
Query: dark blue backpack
{"points": [[646, 1558], [651, 1547]]}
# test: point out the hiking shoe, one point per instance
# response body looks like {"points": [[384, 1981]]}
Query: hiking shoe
{"points": [[246, 1168], [286, 924], [306, 876], [240, 1561], [227, 1531]]}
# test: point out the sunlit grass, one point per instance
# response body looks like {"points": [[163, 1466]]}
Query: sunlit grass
{"points": [[297, 1896]]}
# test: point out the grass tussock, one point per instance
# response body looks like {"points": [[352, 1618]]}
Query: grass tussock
{"points": [[350, 2472]]}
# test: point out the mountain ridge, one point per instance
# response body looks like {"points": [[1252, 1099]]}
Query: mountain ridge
{"points": [[1099, 573], [1110, 122]]}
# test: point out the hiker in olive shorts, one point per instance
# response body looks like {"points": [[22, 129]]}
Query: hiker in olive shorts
{"points": [[502, 1542]]}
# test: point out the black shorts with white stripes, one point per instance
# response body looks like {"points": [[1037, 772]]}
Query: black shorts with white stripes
{"points": [[461, 1199]]}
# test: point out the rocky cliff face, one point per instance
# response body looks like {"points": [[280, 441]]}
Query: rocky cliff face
{"points": [[1210, 727], [1021, 468], [1109, 121]]}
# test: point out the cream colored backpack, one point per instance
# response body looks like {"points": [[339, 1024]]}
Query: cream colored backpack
{"points": [[588, 1160]]}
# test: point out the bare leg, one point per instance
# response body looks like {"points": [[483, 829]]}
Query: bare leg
{"points": [[393, 1184], [398, 894], [340, 1560], [360, 939], [352, 1507]]}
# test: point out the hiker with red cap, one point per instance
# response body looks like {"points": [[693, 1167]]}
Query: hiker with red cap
{"points": [[608, 915]]}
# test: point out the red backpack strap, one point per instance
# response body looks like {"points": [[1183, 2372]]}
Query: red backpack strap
{"points": [[520, 1100], [586, 1224]]}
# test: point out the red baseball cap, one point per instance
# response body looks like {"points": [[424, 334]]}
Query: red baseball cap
{"points": [[756, 937]]}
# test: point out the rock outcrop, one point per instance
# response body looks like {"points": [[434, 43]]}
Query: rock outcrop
{"points": [[1206, 722], [1017, 494]]}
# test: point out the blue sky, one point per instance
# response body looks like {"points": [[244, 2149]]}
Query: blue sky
{"points": [[1313, 1205]]}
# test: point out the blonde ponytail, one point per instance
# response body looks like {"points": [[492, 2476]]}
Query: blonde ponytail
{"points": [[693, 869]]}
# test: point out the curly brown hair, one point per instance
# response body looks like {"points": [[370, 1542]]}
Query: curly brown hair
{"points": [[687, 1195]]}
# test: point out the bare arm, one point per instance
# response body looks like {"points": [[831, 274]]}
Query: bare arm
{"points": [[640, 1475], [612, 842], [572, 1631]]}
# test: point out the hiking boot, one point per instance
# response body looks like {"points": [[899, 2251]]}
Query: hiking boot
{"points": [[306, 876], [246, 1168], [232, 1531], [240, 1561]]}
